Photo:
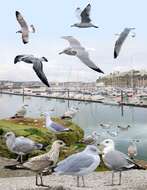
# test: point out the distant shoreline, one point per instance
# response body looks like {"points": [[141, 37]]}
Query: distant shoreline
{"points": [[76, 99]]}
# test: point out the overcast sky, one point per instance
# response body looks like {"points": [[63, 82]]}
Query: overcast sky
{"points": [[52, 19]]}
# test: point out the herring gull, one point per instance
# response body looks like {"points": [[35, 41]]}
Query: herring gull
{"points": [[37, 65], [47, 160], [80, 164], [75, 49], [24, 27], [20, 145], [84, 17]]}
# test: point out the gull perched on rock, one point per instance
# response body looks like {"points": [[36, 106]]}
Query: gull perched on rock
{"points": [[132, 150], [91, 139], [51, 125], [80, 164], [20, 145], [24, 27], [37, 65], [116, 160], [84, 17], [47, 160], [120, 41], [21, 112], [75, 49]]}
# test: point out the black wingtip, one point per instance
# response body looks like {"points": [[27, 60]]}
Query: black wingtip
{"points": [[115, 55], [98, 70], [17, 13]]}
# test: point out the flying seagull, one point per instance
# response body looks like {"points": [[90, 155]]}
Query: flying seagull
{"points": [[120, 41], [80, 164], [37, 65], [116, 160], [84, 17], [75, 49], [51, 125], [47, 160], [20, 145], [24, 27]]}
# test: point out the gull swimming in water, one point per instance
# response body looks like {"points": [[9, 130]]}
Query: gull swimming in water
{"points": [[120, 41], [80, 164], [116, 160], [84, 17], [37, 65], [47, 160], [20, 145], [75, 49], [51, 125], [69, 114], [24, 27], [132, 150]]}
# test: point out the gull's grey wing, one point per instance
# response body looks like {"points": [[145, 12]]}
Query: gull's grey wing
{"points": [[117, 160], [75, 163], [85, 14], [24, 145], [38, 68], [21, 21], [57, 127], [24, 27], [25, 58], [33, 28], [84, 57], [119, 42], [72, 41]]}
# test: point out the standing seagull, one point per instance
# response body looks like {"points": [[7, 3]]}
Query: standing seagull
{"points": [[24, 27], [116, 160], [47, 160], [51, 125], [37, 65], [20, 145], [120, 41], [84, 17], [75, 49], [80, 164]]}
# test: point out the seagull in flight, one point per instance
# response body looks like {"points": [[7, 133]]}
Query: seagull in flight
{"points": [[75, 49], [119, 42], [37, 65], [24, 27], [84, 16]]}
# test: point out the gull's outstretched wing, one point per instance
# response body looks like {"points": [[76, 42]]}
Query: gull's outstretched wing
{"points": [[78, 13], [24, 27], [120, 41], [25, 58], [84, 57], [74, 43], [85, 14], [38, 68]]}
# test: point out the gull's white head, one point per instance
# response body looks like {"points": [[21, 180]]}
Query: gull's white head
{"points": [[9, 135], [108, 145]]}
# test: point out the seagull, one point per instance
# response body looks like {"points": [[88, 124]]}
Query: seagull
{"points": [[84, 17], [47, 160], [37, 65], [91, 139], [51, 125], [116, 160], [75, 49], [80, 164], [24, 27], [132, 150], [120, 41], [20, 145], [21, 112]]}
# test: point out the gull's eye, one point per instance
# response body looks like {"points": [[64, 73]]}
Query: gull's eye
{"points": [[107, 142]]}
